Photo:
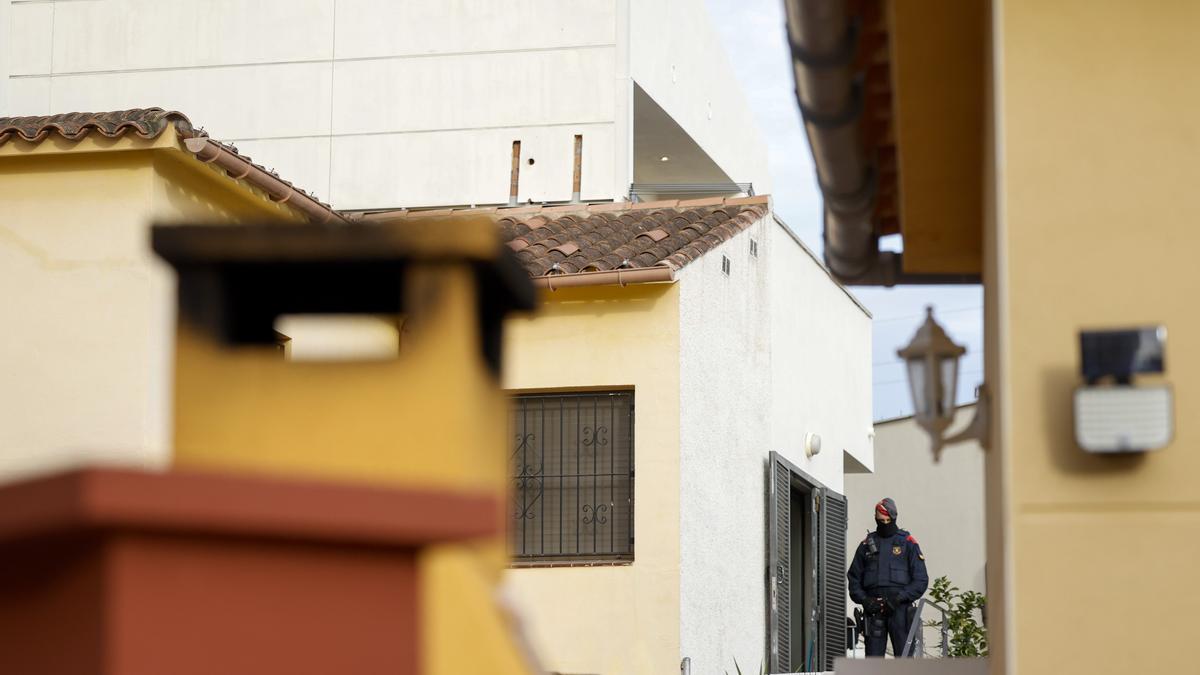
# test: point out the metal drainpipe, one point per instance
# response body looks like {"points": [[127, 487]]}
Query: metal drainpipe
{"points": [[824, 41]]}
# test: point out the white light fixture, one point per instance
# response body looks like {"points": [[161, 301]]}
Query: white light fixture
{"points": [[812, 444], [932, 361], [664, 158]]}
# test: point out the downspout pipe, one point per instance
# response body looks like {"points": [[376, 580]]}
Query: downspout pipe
{"points": [[824, 39], [617, 277]]}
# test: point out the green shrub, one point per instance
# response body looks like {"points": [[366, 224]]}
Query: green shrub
{"points": [[967, 637]]}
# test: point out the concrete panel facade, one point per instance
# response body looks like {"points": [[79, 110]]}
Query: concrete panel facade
{"points": [[325, 90]]}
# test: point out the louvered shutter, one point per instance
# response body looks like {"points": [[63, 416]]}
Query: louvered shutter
{"points": [[834, 524], [779, 583]]}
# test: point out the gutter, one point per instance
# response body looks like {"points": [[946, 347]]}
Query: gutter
{"points": [[824, 41], [639, 275], [281, 192]]}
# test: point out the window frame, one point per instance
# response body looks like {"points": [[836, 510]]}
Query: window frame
{"points": [[523, 561]]}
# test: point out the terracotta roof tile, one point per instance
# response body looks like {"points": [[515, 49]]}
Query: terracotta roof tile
{"points": [[576, 238], [144, 122], [150, 123]]}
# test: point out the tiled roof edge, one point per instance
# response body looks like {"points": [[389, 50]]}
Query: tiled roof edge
{"points": [[563, 209], [150, 123], [143, 122]]}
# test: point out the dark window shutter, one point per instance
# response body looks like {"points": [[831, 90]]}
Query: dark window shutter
{"points": [[833, 575], [779, 586]]}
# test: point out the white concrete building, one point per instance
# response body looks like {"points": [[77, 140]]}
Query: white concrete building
{"points": [[733, 344], [382, 104]]}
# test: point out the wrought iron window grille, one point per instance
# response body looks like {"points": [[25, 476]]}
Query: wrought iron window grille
{"points": [[571, 470]]}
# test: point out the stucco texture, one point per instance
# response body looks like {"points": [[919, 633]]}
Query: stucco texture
{"points": [[1096, 144], [85, 353], [768, 352], [619, 619]]}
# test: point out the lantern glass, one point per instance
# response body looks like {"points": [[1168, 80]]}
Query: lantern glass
{"points": [[916, 385], [948, 365]]}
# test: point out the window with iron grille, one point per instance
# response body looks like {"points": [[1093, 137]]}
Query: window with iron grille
{"points": [[571, 466]]}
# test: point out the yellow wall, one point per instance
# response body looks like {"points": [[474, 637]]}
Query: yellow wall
{"points": [[610, 619], [1098, 112], [936, 58], [430, 418], [88, 311]]}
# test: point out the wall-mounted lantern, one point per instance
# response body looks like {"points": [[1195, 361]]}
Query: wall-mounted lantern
{"points": [[932, 362]]}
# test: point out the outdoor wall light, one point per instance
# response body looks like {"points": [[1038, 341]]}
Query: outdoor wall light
{"points": [[932, 361], [812, 444], [1113, 414]]}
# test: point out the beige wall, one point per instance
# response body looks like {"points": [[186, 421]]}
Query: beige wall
{"points": [[940, 504], [1097, 109], [625, 618], [88, 311]]}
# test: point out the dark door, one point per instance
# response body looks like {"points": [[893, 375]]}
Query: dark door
{"points": [[779, 566], [806, 579], [834, 522]]}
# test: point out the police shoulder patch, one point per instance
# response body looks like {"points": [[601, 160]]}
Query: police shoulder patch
{"points": [[911, 539]]}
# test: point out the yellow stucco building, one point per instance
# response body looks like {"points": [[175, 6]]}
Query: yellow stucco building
{"points": [[91, 344], [1044, 149], [88, 337]]}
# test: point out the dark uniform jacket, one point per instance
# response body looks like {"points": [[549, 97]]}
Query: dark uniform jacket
{"points": [[898, 568]]}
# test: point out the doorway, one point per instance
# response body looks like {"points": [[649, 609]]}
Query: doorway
{"points": [[806, 541]]}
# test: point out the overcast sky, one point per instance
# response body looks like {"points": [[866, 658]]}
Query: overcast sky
{"points": [[754, 36]]}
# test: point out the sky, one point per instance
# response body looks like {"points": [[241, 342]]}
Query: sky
{"points": [[763, 65]]}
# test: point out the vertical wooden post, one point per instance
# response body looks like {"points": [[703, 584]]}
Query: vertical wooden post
{"points": [[578, 178], [515, 178]]}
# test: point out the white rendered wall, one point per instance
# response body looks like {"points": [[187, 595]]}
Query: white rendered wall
{"points": [[5, 11], [678, 59], [750, 383], [367, 103], [821, 364]]}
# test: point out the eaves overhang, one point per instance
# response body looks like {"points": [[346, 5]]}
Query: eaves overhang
{"points": [[891, 94]]}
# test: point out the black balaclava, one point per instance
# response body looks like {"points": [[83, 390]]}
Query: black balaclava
{"points": [[886, 507]]}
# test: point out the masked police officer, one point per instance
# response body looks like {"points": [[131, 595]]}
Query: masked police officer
{"points": [[887, 576]]}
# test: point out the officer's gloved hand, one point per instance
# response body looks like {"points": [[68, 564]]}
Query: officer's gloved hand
{"points": [[892, 598], [874, 606]]}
